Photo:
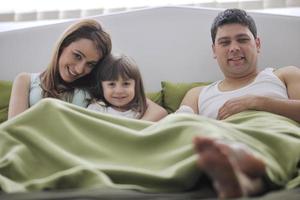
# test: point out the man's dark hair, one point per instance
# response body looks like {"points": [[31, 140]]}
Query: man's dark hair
{"points": [[233, 16]]}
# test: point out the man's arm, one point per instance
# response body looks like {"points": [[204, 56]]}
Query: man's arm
{"points": [[191, 99], [290, 108], [290, 76]]}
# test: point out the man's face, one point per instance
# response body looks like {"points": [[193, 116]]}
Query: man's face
{"points": [[236, 50]]}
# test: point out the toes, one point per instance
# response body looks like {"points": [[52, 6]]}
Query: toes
{"points": [[202, 143]]}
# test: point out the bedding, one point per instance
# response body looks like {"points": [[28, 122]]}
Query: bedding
{"points": [[107, 193], [78, 144]]}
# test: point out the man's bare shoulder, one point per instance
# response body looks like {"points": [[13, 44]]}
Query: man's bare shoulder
{"points": [[192, 94], [287, 72], [195, 91], [191, 98]]}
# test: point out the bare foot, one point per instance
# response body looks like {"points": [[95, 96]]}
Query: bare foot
{"points": [[234, 172], [247, 162]]}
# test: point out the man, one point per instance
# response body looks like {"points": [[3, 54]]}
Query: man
{"points": [[235, 171]]}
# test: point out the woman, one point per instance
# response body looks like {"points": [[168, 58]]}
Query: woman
{"points": [[69, 74]]}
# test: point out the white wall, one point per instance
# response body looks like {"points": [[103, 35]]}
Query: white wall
{"points": [[168, 43], [31, 10]]}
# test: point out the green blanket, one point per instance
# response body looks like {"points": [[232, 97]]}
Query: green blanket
{"points": [[56, 145]]}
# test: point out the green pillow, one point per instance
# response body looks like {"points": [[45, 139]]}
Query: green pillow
{"points": [[173, 93], [156, 97], [5, 90]]}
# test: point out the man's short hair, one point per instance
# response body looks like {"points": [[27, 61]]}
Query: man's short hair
{"points": [[233, 16]]}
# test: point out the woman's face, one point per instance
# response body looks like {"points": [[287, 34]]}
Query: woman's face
{"points": [[78, 59]]}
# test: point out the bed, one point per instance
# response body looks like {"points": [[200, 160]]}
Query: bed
{"points": [[172, 47]]}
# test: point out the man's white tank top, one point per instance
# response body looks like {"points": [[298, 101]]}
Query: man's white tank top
{"points": [[211, 99]]}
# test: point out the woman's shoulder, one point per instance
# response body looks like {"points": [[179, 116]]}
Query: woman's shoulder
{"points": [[25, 76], [22, 77]]}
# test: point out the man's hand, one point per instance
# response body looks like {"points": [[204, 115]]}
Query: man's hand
{"points": [[237, 105]]}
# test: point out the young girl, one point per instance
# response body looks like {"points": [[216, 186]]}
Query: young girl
{"points": [[121, 90]]}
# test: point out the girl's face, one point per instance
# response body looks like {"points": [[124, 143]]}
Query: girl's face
{"points": [[78, 59], [119, 93]]}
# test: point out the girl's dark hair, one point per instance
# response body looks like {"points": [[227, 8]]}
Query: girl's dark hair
{"points": [[111, 69]]}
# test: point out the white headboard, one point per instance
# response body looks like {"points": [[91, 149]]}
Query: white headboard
{"points": [[168, 43]]}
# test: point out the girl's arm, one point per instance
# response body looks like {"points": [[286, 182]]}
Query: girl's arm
{"points": [[19, 98], [154, 112]]}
